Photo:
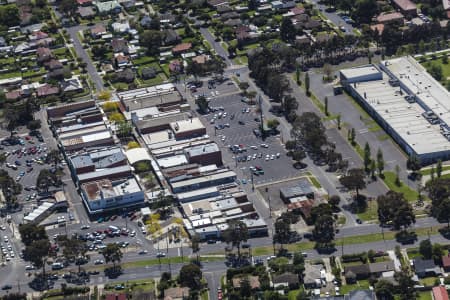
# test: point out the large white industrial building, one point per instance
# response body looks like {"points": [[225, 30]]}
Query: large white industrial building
{"points": [[407, 102]]}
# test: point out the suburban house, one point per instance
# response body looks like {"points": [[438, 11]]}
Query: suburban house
{"points": [[406, 7], [98, 30], [176, 293], [377, 269], [286, 279], [181, 48], [44, 54], [47, 90], [358, 272], [389, 18], [252, 280], [426, 267], [313, 276]]}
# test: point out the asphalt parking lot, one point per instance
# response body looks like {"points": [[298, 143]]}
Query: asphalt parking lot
{"points": [[26, 175], [216, 89], [237, 128]]}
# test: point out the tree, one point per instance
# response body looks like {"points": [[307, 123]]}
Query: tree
{"points": [[2, 158], [413, 163], [124, 129], [202, 104], [105, 95], [112, 253], [245, 290], [397, 175], [11, 118], [366, 157], [282, 230], [438, 252], [273, 124], [109, 106], [151, 40], [297, 74], [32, 232], [354, 180], [353, 136], [287, 30], [380, 162], [443, 211], [327, 72], [195, 245], [406, 290], [235, 234], [68, 7], [45, 179], [37, 252], [289, 104], [75, 249], [426, 249], [364, 10], [326, 105], [439, 168], [54, 157], [298, 156], [116, 117], [307, 83], [384, 290], [132, 145], [34, 125], [9, 15], [309, 130], [324, 229], [338, 119], [334, 200], [392, 207], [373, 167], [190, 276]]}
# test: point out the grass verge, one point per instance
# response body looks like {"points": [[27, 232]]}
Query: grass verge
{"points": [[408, 193]]}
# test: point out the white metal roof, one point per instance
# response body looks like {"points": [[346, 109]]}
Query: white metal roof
{"points": [[137, 154]]}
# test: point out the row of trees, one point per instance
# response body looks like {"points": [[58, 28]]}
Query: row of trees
{"points": [[38, 249]]}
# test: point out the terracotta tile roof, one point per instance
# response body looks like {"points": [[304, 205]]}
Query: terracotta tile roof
{"points": [[181, 47]]}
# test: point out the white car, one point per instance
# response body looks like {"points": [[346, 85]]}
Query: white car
{"points": [[278, 155], [5, 239], [272, 157], [12, 254], [267, 157], [29, 268], [254, 147], [133, 233]]}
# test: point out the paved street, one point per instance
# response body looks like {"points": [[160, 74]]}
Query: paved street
{"points": [[216, 45], [91, 69], [333, 17]]}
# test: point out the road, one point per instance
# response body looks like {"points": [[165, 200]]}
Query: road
{"points": [[79, 50], [91, 69], [216, 45], [333, 17]]}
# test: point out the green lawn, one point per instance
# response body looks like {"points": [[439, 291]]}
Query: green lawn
{"points": [[315, 182], [408, 193], [429, 281], [371, 212], [425, 295], [144, 60], [292, 295], [360, 285], [445, 67], [427, 171], [145, 285]]}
